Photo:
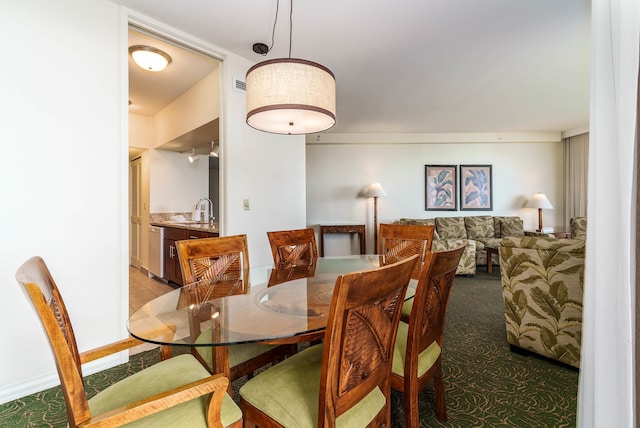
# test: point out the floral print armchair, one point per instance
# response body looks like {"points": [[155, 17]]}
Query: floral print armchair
{"points": [[542, 286]]}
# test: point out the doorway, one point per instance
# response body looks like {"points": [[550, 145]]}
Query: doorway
{"points": [[158, 108]]}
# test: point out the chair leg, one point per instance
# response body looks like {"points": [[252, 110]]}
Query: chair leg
{"points": [[411, 411], [441, 406]]}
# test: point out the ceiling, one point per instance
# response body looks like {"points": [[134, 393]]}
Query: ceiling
{"points": [[416, 66]]}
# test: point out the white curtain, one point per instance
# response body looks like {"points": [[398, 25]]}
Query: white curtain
{"points": [[606, 392], [576, 168]]}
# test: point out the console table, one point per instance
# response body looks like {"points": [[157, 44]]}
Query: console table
{"points": [[343, 228]]}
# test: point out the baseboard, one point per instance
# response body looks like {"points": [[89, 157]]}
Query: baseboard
{"points": [[145, 271], [13, 391], [17, 390]]}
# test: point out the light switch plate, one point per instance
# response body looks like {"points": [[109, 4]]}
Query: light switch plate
{"points": [[245, 204]]}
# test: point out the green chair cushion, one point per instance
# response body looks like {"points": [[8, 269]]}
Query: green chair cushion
{"points": [[237, 353], [289, 392], [407, 306], [408, 300], [166, 375], [426, 359]]}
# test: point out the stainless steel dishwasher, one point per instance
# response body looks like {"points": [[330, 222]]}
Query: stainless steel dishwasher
{"points": [[156, 253]]}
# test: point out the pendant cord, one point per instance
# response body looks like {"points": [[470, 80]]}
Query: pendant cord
{"points": [[273, 30], [290, 27]]}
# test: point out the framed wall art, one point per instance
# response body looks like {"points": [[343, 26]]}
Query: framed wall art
{"points": [[440, 187], [476, 189]]}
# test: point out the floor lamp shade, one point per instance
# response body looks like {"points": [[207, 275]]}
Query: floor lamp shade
{"points": [[290, 96]]}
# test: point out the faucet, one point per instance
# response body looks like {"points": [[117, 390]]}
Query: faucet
{"points": [[211, 217]]}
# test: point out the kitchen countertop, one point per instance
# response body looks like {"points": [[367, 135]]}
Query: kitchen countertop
{"points": [[204, 227]]}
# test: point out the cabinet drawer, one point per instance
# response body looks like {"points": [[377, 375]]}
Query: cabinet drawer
{"points": [[197, 234], [175, 233]]}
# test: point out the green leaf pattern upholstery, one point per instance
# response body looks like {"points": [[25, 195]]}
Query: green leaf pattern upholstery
{"points": [[467, 265], [451, 227], [578, 227], [542, 285], [424, 222], [478, 232], [508, 226]]}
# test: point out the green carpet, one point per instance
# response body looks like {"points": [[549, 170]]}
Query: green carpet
{"points": [[486, 385]]}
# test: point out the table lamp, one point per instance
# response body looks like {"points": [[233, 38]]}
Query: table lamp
{"points": [[539, 201], [375, 191]]}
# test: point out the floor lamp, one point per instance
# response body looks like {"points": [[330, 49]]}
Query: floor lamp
{"points": [[539, 201], [375, 191]]}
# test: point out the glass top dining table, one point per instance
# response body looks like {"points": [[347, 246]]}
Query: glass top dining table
{"points": [[287, 308]]}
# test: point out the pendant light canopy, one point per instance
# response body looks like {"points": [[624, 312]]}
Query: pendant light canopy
{"points": [[291, 96]]}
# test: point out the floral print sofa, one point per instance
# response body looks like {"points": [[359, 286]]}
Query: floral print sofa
{"points": [[542, 286], [478, 232]]}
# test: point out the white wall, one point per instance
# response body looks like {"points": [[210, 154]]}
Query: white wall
{"points": [[267, 169], [338, 172], [64, 174], [65, 166], [175, 183], [196, 107], [141, 131]]}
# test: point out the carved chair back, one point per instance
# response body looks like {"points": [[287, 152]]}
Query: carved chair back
{"points": [[292, 248], [360, 337], [398, 241]]}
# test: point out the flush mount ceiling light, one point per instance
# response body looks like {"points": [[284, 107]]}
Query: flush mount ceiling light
{"points": [[149, 58], [290, 95], [193, 157]]}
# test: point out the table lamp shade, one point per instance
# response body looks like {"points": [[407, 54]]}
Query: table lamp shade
{"points": [[539, 200]]}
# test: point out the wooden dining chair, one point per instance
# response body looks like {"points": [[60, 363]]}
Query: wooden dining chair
{"points": [[293, 247], [417, 358], [398, 241], [214, 268], [346, 379], [278, 276], [175, 392]]}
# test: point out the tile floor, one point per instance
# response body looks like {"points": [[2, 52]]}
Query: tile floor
{"points": [[141, 290]]}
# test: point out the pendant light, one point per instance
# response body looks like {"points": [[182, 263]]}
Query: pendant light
{"points": [[290, 95]]}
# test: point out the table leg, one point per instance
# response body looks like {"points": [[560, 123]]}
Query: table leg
{"points": [[490, 253]]}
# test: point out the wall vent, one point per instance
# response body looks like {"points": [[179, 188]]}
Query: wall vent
{"points": [[239, 85]]}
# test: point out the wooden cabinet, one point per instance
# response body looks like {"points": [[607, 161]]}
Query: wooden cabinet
{"points": [[172, 272]]}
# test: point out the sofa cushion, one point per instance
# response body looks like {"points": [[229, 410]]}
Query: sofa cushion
{"points": [[488, 242], [420, 221], [467, 264], [578, 228], [479, 227], [451, 227], [508, 226]]}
